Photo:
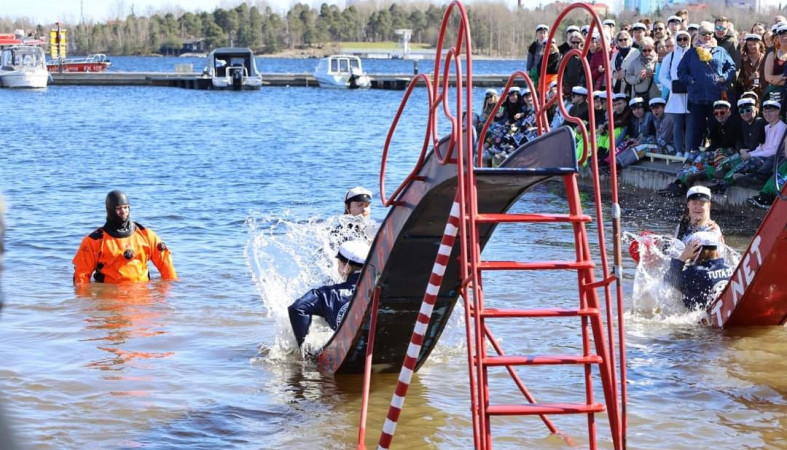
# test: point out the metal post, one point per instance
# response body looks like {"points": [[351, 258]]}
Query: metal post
{"points": [[367, 372]]}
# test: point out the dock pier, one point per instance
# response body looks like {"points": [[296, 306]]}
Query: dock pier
{"points": [[195, 80]]}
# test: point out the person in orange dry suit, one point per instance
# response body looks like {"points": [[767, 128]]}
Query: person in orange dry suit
{"points": [[120, 250]]}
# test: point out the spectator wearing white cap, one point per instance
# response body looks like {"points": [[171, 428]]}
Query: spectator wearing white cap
{"points": [[638, 31], [641, 70], [774, 66], [566, 46], [579, 102], [641, 135], [752, 132], [330, 302], [700, 273], [622, 117], [757, 164], [674, 24], [752, 63], [706, 70], [662, 124], [609, 25], [535, 51], [574, 74], [513, 106], [490, 100], [677, 101]]}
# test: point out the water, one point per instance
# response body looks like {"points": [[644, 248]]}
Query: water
{"points": [[242, 187]]}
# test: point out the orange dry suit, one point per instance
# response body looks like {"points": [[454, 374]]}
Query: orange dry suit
{"points": [[122, 259]]}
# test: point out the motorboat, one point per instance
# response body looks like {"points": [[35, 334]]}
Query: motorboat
{"points": [[23, 66], [232, 68], [341, 71], [91, 63]]}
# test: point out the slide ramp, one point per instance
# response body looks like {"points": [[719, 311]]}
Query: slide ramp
{"points": [[403, 252], [756, 294]]}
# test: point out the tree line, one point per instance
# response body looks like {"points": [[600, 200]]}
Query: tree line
{"points": [[496, 29]]}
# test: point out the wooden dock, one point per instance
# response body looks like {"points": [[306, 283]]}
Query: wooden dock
{"points": [[197, 81]]}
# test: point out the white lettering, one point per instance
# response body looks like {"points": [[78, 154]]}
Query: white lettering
{"points": [[755, 247], [737, 289], [748, 274], [717, 313]]}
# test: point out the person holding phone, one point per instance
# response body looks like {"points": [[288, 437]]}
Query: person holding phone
{"points": [[699, 273]]}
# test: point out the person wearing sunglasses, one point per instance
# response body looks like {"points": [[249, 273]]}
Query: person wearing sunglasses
{"points": [[641, 70], [659, 30], [623, 44], [574, 74], [706, 70], [702, 164], [725, 38], [566, 46], [677, 101], [755, 166]]}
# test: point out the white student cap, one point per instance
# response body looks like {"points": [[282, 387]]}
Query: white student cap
{"points": [[585, 28], [674, 19], [771, 104], [354, 251], [609, 22], [526, 91], [600, 94], [693, 26], [706, 238], [579, 90], [358, 194], [513, 89], [721, 104], [542, 26], [639, 26], [552, 84], [637, 100], [572, 28], [698, 193], [753, 37], [491, 91], [746, 101], [618, 96], [657, 101]]}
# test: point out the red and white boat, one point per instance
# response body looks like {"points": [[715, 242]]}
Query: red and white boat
{"points": [[91, 63]]}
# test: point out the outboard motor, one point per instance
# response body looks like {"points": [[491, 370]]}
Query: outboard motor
{"points": [[237, 78], [353, 80]]}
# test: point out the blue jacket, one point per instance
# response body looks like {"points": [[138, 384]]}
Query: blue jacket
{"points": [[699, 283], [328, 302], [700, 77]]}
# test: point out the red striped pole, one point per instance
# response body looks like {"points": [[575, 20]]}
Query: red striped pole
{"points": [[421, 324]]}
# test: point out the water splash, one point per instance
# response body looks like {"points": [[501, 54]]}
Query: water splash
{"points": [[652, 298], [287, 257]]}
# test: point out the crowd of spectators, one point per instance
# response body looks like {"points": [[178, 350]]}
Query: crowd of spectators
{"points": [[702, 92]]}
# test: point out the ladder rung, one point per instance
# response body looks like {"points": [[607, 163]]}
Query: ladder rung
{"points": [[538, 360], [532, 218], [551, 312], [544, 408], [538, 265]]}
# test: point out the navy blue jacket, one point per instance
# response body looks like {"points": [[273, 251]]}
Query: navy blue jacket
{"points": [[328, 302], [699, 77], [699, 283]]}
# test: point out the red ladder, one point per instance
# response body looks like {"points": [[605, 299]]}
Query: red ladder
{"points": [[479, 333]]}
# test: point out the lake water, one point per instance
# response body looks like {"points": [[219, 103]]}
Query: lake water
{"points": [[242, 187]]}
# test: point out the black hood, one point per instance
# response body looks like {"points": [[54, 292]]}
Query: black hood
{"points": [[116, 226]]}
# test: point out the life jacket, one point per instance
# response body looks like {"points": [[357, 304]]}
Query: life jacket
{"points": [[116, 260]]}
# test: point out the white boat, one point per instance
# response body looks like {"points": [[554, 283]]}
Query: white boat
{"points": [[232, 68], [23, 66], [341, 71]]}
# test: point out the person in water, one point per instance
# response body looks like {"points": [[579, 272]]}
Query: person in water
{"points": [[699, 273], [330, 302], [120, 250], [696, 218], [358, 202]]}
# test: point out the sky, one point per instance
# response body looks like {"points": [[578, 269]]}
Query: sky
{"points": [[51, 11]]}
